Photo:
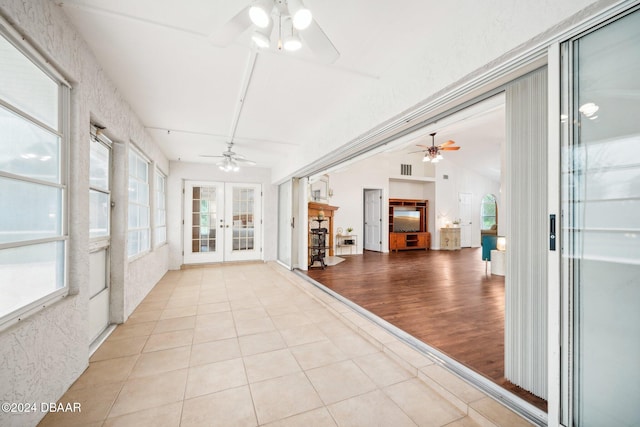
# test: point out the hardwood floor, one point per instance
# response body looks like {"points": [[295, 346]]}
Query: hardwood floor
{"points": [[443, 298]]}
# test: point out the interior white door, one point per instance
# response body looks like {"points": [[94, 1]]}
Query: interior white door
{"points": [[373, 219], [203, 222], [285, 223], [464, 207], [242, 222], [99, 233]]}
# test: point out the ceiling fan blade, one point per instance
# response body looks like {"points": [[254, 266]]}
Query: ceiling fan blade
{"points": [[230, 31], [211, 155], [419, 151], [449, 142], [319, 43], [449, 148], [424, 146], [245, 161]]}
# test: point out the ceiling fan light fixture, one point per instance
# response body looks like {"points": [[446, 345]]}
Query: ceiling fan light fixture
{"points": [[259, 13], [302, 16], [292, 43]]}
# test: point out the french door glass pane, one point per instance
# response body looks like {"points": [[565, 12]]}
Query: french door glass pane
{"points": [[205, 218], [284, 225], [27, 150], [243, 226], [601, 201], [98, 214]]}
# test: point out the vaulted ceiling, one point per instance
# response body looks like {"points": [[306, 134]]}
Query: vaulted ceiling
{"points": [[288, 108]]}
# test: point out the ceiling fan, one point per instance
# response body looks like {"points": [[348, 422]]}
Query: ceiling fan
{"points": [[229, 160], [293, 23], [432, 153]]}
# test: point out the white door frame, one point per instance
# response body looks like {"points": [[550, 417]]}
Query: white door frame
{"points": [[230, 234], [466, 224]]}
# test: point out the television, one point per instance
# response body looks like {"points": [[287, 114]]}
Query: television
{"points": [[406, 221]]}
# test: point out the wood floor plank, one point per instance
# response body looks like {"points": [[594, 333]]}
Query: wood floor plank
{"points": [[443, 298]]}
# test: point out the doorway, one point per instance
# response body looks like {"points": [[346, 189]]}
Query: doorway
{"points": [[222, 222], [99, 234], [465, 209], [373, 219]]}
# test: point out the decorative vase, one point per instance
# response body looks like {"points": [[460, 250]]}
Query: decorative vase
{"points": [[320, 214]]}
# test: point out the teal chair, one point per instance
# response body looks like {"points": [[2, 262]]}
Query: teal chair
{"points": [[489, 243]]}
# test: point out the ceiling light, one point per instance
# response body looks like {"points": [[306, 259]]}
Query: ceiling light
{"points": [[292, 43], [589, 109], [259, 13], [302, 16]]}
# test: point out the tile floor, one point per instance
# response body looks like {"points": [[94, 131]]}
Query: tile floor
{"points": [[254, 344]]}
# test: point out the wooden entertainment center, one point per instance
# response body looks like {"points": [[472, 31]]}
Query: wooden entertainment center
{"points": [[408, 224]]}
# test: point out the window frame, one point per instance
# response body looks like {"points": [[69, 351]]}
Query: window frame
{"points": [[158, 174], [62, 132], [139, 156], [482, 210]]}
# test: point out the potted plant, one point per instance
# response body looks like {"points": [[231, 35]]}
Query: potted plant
{"points": [[349, 230]]}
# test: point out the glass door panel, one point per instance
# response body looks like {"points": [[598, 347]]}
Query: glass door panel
{"points": [[203, 223], [243, 219], [285, 215], [601, 227]]}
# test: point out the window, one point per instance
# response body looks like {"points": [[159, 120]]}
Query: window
{"points": [[160, 224], [99, 195], [33, 138], [138, 204], [488, 212]]}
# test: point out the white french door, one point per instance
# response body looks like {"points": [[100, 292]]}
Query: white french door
{"points": [[222, 222]]}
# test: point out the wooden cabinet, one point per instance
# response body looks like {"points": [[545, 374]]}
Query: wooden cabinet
{"points": [[408, 224]]}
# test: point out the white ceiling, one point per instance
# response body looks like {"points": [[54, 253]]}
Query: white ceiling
{"points": [[187, 91]]}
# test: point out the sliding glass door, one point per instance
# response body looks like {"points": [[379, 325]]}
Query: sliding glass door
{"points": [[600, 160]]}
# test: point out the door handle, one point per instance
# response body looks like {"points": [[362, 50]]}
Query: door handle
{"points": [[552, 232]]}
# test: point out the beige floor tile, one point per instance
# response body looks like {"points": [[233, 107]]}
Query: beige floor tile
{"points": [[163, 416], [232, 407], [167, 340], [214, 351], [144, 316], [302, 335], [270, 365], [448, 384], [339, 381], [464, 422], [288, 321], [215, 319], [280, 307], [160, 297], [335, 328], [408, 354], [105, 372], [94, 406], [217, 307], [371, 409], [213, 333], [261, 343], [119, 348], [130, 330], [182, 292], [213, 297], [317, 418], [175, 324], [244, 303], [150, 392], [382, 369], [317, 354], [158, 362], [283, 397], [423, 404], [150, 305], [254, 326], [170, 313], [214, 377], [250, 313], [354, 345], [499, 415], [320, 315]]}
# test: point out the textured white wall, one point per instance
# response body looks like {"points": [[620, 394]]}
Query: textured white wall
{"points": [[185, 171], [44, 354]]}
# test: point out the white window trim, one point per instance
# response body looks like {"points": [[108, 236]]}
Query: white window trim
{"points": [[149, 228], [64, 114], [158, 171]]}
